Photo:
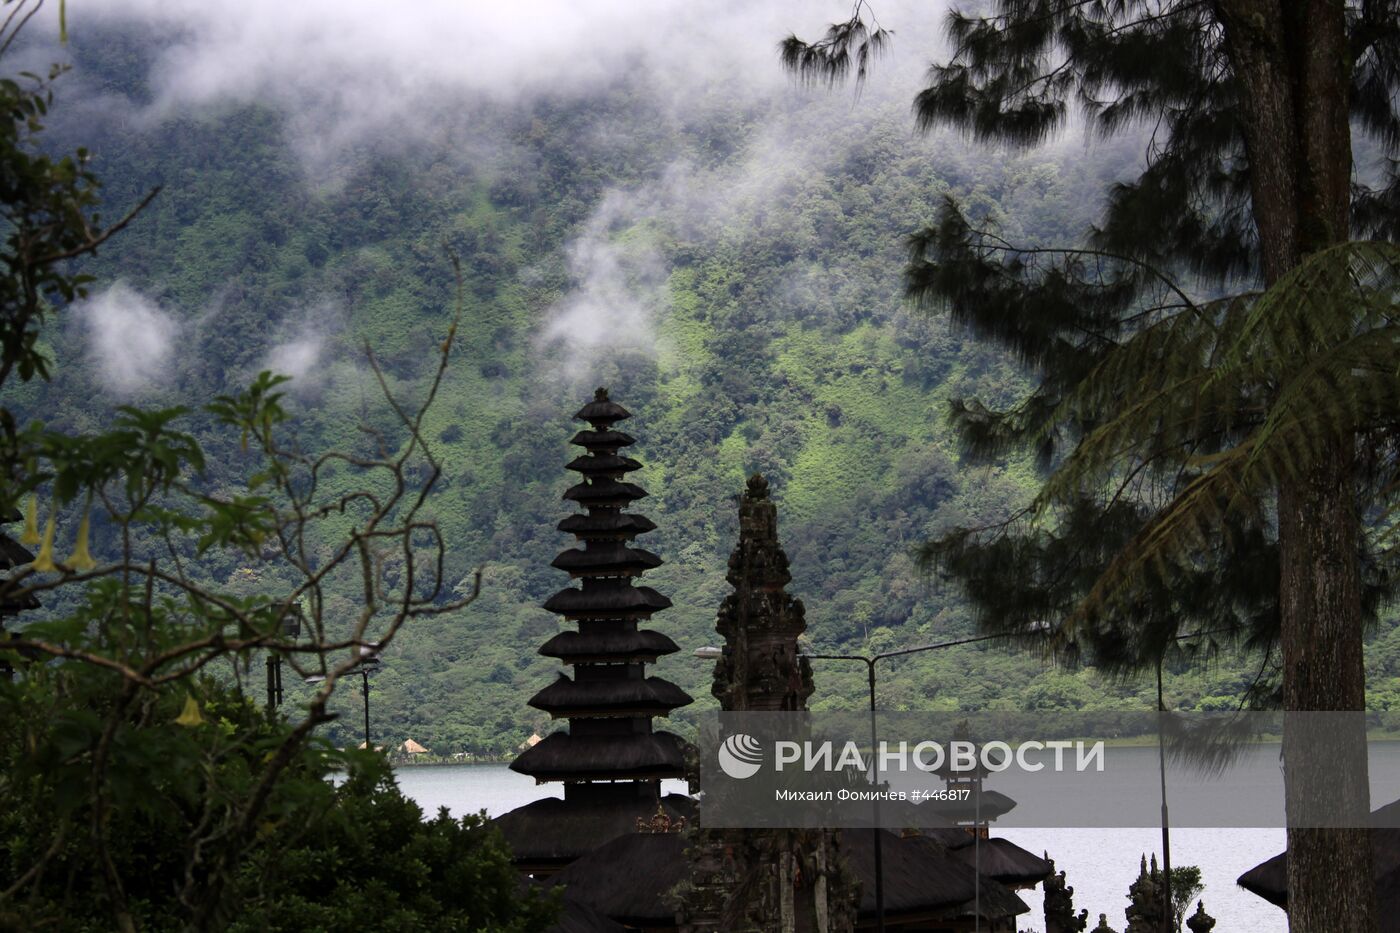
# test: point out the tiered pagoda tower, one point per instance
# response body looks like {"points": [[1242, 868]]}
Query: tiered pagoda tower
{"points": [[610, 760]]}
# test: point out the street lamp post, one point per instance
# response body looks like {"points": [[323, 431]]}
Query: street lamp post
{"points": [[711, 653], [369, 661], [291, 630], [1169, 918], [870, 662]]}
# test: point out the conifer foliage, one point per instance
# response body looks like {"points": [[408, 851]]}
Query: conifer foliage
{"points": [[1217, 362]]}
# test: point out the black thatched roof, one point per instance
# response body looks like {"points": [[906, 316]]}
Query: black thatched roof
{"points": [[606, 560], [644, 645], [604, 492], [1269, 879], [552, 831], [578, 917], [603, 465], [606, 525], [608, 441], [606, 603], [561, 756], [1002, 860], [650, 697], [921, 878], [629, 878], [601, 410], [1388, 901]]}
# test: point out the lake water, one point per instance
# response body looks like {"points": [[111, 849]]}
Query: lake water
{"points": [[1100, 864]]}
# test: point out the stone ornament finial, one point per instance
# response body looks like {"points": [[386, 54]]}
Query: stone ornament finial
{"points": [[600, 394], [1200, 921], [1145, 912], [1059, 904], [758, 487], [660, 822]]}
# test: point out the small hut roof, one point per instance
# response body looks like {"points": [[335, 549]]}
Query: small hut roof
{"points": [[608, 441], [606, 560], [629, 878], [554, 830], [14, 605], [606, 525], [1269, 879], [604, 492], [642, 645], [603, 465], [562, 757], [651, 697], [1003, 860], [413, 748], [606, 603], [13, 554], [602, 410]]}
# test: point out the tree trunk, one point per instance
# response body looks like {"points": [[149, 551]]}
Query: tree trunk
{"points": [[1330, 884], [1291, 62]]}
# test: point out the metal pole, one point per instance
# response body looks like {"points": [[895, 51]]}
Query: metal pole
{"points": [[364, 675], [875, 772], [874, 750], [1169, 920]]}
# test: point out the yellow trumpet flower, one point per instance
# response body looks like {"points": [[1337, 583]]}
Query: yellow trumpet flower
{"points": [[31, 521], [190, 715], [80, 559], [44, 562]]}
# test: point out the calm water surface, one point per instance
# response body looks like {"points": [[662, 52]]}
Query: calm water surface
{"points": [[1099, 864]]}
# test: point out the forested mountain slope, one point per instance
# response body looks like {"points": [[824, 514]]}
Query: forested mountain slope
{"points": [[732, 273]]}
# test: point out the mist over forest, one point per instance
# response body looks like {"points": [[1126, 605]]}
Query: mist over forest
{"points": [[641, 200]]}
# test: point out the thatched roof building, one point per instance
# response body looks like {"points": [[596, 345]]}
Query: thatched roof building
{"points": [[926, 887], [580, 918], [634, 879], [1269, 879], [999, 859], [609, 759], [545, 835]]}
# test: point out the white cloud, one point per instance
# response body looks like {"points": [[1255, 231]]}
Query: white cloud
{"points": [[130, 340], [349, 72], [302, 345], [612, 307], [297, 358]]}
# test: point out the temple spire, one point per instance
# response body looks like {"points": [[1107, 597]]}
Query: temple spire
{"points": [[609, 701], [760, 668], [777, 879]]}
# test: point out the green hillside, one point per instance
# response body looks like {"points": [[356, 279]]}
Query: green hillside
{"points": [[776, 340]]}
